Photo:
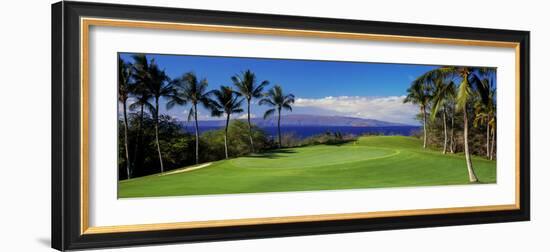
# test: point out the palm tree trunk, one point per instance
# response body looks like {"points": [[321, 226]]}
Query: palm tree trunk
{"points": [[424, 124], [488, 137], [196, 134], [250, 130], [126, 140], [492, 144], [452, 147], [279, 127], [157, 133], [225, 135], [138, 140], [445, 131], [471, 173]]}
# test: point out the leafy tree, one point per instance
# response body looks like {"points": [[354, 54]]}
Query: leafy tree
{"points": [[176, 144], [238, 139], [174, 141], [189, 89], [248, 87], [277, 99], [226, 101]]}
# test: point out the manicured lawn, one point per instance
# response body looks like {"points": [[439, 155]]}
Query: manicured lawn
{"points": [[370, 162]]}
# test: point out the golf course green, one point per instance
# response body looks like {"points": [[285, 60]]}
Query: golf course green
{"points": [[369, 162]]}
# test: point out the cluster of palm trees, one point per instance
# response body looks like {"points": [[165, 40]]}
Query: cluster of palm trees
{"points": [[144, 84], [474, 93]]}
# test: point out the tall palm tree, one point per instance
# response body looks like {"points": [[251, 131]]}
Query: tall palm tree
{"points": [[192, 90], [141, 77], [444, 94], [420, 93], [158, 87], [469, 79], [124, 87], [278, 100], [464, 94], [226, 101], [247, 86]]}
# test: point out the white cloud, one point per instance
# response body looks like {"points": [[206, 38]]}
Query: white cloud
{"points": [[389, 108], [205, 115]]}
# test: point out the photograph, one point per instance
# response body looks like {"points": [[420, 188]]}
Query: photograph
{"points": [[204, 125], [181, 124]]}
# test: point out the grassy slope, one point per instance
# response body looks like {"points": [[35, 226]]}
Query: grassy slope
{"points": [[378, 161]]}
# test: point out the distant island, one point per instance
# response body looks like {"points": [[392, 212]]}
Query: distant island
{"points": [[311, 120]]}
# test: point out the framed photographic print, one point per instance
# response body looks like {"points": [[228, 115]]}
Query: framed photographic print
{"points": [[180, 125]]}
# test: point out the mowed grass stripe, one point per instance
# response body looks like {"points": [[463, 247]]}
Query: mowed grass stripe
{"points": [[370, 162]]}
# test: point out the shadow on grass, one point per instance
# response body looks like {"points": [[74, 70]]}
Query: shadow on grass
{"points": [[339, 142], [272, 154]]}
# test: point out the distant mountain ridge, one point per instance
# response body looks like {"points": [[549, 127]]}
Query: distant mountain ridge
{"points": [[310, 120]]}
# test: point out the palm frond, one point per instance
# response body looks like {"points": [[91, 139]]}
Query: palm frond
{"points": [[226, 100], [464, 93], [216, 113], [246, 83], [174, 100], [287, 107], [257, 92], [481, 86], [269, 113], [443, 94], [275, 97], [266, 101]]}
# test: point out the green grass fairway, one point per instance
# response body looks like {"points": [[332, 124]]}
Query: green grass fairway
{"points": [[377, 161]]}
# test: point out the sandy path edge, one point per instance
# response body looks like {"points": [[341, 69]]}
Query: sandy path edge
{"points": [[192, 168]]}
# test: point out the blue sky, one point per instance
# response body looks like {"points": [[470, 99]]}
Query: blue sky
{"points": [[359, 89]]}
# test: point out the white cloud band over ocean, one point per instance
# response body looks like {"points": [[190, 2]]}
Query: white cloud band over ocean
{"points": [[389, 108], [386, 108]]}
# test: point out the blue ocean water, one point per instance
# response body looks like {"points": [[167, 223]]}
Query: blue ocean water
{"points": [[307, 131]]}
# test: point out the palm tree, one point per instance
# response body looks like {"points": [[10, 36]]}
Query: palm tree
{"points": [[485, 114], [278, 100], [247, 87], [158, 87], [469, 78], [190, 89], [493, 133], [226, 101], [464, 94], [124, 87], [420, 93], [444, 94], [141, 77]]}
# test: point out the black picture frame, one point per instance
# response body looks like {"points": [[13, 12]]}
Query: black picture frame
{"points": [[66, 114]]}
